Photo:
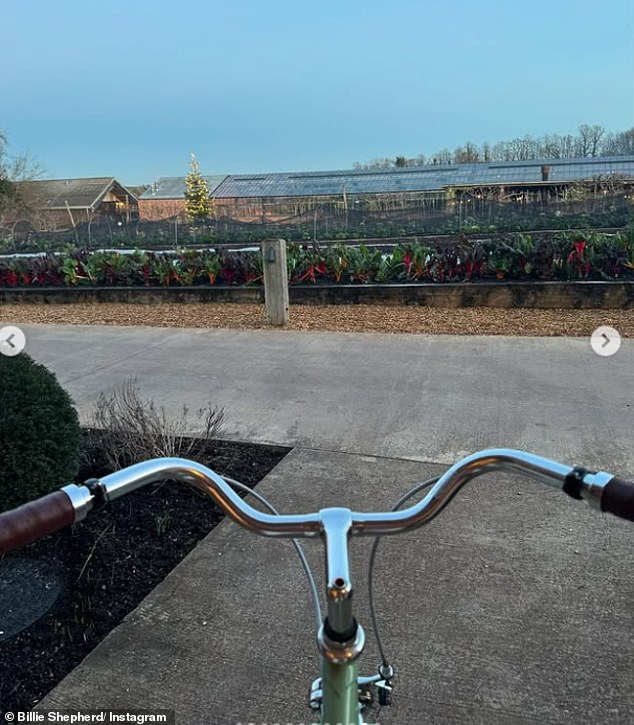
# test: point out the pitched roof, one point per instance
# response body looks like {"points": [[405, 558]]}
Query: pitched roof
{"points": [[421, 178], [173, 187], [137, 189], [77, 193]]}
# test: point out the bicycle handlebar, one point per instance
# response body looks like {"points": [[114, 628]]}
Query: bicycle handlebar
{"points": [[34, 520], [618, 498], [71, 504]]}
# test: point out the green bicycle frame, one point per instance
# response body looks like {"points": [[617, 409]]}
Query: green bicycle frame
{"points": [[341, 699]]}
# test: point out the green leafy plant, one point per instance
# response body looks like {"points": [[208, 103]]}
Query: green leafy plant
{"points": [[305, 264], [418, 261], [515, 256], [392, 267], [337, 262], [71, 271], [163, 523], [210, 267], [358, 264], [39, 431]]}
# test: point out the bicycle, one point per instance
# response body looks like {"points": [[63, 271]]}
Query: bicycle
{"points": [[339, 694]]}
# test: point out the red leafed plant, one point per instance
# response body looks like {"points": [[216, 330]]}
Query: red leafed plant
{"points": [[577, 263]]}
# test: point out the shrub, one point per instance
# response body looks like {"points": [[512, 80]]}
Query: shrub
{"points": [[126, 428], [39, 432]]}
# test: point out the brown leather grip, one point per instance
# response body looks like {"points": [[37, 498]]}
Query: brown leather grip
{"points": [[35, 520], [618, 498]]}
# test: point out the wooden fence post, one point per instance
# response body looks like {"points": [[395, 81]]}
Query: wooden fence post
{"points": [[275, 281]]}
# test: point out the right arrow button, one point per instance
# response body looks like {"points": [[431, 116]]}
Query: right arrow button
{"points": [[605, 341]]}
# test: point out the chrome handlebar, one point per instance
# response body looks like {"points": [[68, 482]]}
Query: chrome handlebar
{"points": [[335, 525], [588, 485]]}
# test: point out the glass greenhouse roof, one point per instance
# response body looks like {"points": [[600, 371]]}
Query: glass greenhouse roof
{"points": [[173, 187], [420, 178]]}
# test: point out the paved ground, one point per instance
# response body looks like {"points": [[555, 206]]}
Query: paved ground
{"points": [[432, 398], [513, 607]]}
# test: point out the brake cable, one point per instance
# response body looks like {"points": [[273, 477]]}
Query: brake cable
{"points": [[417, 488], [304, 562], [298, 547]]}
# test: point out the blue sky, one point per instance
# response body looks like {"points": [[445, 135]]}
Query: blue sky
{"points": [[130, 89]]}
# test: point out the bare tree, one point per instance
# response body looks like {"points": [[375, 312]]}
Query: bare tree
{"points": [[7, 187], [14, 169], [556, 146], [443, 156], [618, 144], [467, 154], [524, 148], [625, 142], [17, 168], [25, 167], [498, 151], [374, 164], [3, 154], [589, 138], [550, 147]]}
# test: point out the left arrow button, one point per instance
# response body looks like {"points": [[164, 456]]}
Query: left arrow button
{"points": [[12, 341]]}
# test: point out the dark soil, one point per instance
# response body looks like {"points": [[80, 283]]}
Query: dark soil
{"points": [[109, 563]]}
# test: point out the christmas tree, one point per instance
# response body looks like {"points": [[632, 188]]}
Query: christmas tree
{"points": [[197, 202]]}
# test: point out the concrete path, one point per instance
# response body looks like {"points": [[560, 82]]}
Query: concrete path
{"points": [[430, 398], [511, 608]]}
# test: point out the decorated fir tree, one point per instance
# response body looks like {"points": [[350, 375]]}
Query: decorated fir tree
{"points": [[197, 202]]}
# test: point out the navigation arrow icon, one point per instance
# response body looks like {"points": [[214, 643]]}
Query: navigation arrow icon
{"points": [[605, 341], [12, 341]]}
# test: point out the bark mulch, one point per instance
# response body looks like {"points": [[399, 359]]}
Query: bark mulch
{"points": [[334, 318]]}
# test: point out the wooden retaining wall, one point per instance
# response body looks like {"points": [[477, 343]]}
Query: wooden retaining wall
{"points": [[543, 295]]}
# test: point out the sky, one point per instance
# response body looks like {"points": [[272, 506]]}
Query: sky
{"points": [[130, 89]]}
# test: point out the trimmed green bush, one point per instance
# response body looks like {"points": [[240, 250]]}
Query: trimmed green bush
{"points": [[39, 432]]}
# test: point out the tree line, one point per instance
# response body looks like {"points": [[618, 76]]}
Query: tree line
{"points": [[589, 141]]}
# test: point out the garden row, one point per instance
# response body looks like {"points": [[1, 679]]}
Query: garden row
{"points": [[565, 256]]}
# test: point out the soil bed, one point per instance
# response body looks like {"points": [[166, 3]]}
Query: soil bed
{"points": [[109, 563]]}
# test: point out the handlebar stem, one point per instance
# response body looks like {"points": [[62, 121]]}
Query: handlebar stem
{"points": [[337, 525]]}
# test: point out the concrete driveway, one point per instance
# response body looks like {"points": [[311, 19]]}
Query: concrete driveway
{"points": [[430, 398]]}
